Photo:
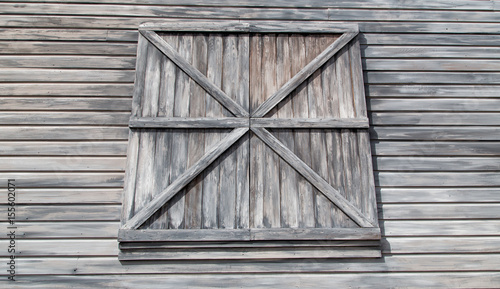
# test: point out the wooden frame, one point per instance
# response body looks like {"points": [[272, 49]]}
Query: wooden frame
{"points": [[243, 122]]}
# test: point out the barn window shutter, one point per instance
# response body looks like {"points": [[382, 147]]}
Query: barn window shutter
{"points": [[248, 141]]}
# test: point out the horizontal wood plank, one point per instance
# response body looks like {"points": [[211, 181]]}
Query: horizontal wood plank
{"points": [[447, 195], [435, 148], [65, 103], [64, 180], [67, 148], [440, 228], [438, 211], [436, 118], [309, 122], [420, 51], [66, 89], [36, 248], [370, 280], [65, 230], [436, 133], [373, 64], [435, 245], [432, 77], [66, 75], [12, 133], [76, 163], [191, 122], [62, 47], [56, 196], [436, 164], [437, 179], [49, 34], [406, 90], [64, 118], [72, 62], [429, 39], [66, 213]]}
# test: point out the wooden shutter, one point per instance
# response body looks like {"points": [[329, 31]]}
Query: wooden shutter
{"points": [[248, 141]]}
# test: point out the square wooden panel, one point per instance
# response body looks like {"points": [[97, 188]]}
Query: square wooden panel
{"points": [[248, 140]]}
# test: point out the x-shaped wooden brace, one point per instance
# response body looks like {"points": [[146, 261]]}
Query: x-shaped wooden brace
{"points": [[242, 123]]}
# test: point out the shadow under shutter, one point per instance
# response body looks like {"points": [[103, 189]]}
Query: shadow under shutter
{"points": [[248, 141]]}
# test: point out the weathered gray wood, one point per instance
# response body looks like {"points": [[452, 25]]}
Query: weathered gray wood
{"points": [[66, 180], [185, 178], [196, 140], [426, 27], [435, 148], [68, 34], [439, 211], [409, 15], [164, 12], [96, 62], [271, 193], [421, 265], [194, 73], [210, 197], [68, 213], [247, 244], [466, 52], [437, 164], [125, 235], [370, 280], [441, 179], [12, 133], [179, 146], [312, 177], [432, 77], [255, 234], [435, 245], [301, 138], [64, 230], [360, 122], [433, 64], [481, 91], [387, 4], [451, 195], [76, 103], [249, 254], [436, 104], [243, 152], [250, 26], [67, 148], [303, 74], [77, 163], [441, 228], [437, 133], [228, 165], [44, 47], [65, 89], [430, 39], [289, 196], [68, 196], [34, 248], [480, 119], [64, 118], [256, 145], [187, 122], [66, 75]]}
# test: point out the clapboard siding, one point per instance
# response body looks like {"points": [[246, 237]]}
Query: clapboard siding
{"points": [[432, 85]]}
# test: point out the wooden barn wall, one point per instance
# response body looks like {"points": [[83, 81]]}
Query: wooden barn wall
{"points": [[432, 74]]}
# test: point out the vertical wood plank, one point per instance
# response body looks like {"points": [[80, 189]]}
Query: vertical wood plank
{"points": [[316, 102], [180, 137], [334, 139], [230, 71], [243, 152], [288, 176], [271, 184], [256, 145], [302, 138], [346, 105], [128, 203], [213, 109], [164, 137], [196, 137], [145, 178]]}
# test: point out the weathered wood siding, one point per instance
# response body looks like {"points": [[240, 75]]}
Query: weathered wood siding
{"points": [[432, 83]]}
